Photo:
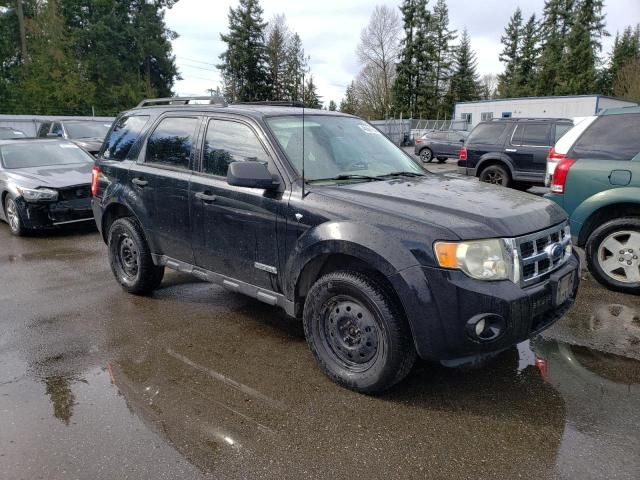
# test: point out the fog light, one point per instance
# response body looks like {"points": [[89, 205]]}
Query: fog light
{"points": [[485, 327], [480, 327]]}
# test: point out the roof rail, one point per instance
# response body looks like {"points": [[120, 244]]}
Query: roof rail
{"points": [[148, 102], [517, 119], [273, 103]]}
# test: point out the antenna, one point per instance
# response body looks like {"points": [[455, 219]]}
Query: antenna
{"points": [[303, 180]]}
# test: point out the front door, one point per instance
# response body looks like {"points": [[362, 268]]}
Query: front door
{"points": [[161, 178], [234, 228]]}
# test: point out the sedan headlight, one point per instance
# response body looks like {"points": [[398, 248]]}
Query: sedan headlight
{"points": [[481, 259], [38, 194]]}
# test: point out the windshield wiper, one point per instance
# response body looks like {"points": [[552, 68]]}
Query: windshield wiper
{"points": [[402, 174], [345, 177]]}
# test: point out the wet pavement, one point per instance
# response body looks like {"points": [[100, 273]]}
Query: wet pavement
{"points": [[197, 382]]}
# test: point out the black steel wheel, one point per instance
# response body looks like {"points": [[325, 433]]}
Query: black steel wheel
{"points": [[357, 333], [130, 258], [496, 175], [426, 155]]}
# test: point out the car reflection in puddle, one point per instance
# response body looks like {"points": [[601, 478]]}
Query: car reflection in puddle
{"points": [[552, 408]]}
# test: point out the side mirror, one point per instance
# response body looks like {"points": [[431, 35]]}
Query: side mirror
{"points": [[252, 175]]}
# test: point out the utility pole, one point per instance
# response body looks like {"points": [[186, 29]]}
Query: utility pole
{"points": [[211, 91], [23, 35]]}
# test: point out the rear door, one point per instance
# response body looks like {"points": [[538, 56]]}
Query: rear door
{"points": [[234, 228], [455, 142], [528, 147], [607, 156], [161, 179]]}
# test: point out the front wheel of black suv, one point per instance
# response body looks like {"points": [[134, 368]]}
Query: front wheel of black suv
{"points": [[357, 333], [130, 258], [613, 254], [496, 175]]}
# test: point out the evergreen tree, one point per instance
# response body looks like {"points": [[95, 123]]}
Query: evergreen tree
{"points": [[556, 23], [278, 38], [443, 57], [528, 56], [626, 48], [296, 69], [244, 63], [310, 97], [579, 73], [465, 83], [510, 56], [349, 103], [332, 106], [406, 70]]}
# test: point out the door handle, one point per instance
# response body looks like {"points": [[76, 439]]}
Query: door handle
{"points": [[139, 182], [205, 197], [511, 150]]}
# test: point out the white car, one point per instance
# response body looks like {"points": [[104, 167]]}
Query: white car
{"points": [[562, 146]]}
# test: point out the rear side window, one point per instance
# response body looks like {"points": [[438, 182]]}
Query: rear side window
{"points": [[487, 133], [124, 134], [561, 129], [171, 142], [228, 142], [532, 134], [610, 137]]}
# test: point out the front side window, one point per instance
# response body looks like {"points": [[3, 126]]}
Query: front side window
{"points": [[228, 141], [171, 142], [44, 129], [336, 145], [89, 129], [124, 134], [610, 137], [533, 134], [56, 129]]}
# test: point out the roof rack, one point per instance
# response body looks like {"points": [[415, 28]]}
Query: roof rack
{"points": [[148, 102], [517, 119], [273, 103]]}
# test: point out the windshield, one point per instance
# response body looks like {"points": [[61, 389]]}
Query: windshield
{"points": [[27, 155], [338, 146], [87, 129], [8, 133]]}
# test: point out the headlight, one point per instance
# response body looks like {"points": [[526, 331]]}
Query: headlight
{"points": [[481, 259], [38, 194]]}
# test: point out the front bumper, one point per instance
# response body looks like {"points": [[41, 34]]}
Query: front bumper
{"points": [[440, 302], [46, 215]]}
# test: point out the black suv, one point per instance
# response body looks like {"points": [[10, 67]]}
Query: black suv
{"points": [[511, 152], [381, 260]]}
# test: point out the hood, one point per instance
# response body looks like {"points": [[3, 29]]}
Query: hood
{"points": [[91, 145], [52, 176], [467, 208]]}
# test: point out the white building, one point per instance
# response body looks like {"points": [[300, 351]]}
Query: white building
{"points": [[570, 106]]}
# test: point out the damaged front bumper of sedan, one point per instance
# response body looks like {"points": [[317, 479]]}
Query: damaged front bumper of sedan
{"points": [[73, 205]]}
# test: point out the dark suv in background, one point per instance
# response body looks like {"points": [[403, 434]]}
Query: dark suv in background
{"points": [[321, 215], [511, 152], [87, 134]]}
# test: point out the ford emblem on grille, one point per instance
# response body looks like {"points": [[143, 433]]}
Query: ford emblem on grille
{"points": [[554, 250]]}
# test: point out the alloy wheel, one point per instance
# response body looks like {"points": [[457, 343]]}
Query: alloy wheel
{"points": [[12, 215], [618, 256]]}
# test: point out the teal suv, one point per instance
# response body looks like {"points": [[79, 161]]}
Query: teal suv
{"points": [[598, 183]]}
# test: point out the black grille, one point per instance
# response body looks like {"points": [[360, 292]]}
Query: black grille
{"points": [[73, 193]]}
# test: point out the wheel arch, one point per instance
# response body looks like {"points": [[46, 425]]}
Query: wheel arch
{"points": [[494, 160], [114, 211], [610, 211]]}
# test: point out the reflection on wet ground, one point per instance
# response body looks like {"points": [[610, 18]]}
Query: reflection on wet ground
{"points": [[200, 382]]}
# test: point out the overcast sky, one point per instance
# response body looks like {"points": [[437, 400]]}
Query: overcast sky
{"points": [[330, 31]]}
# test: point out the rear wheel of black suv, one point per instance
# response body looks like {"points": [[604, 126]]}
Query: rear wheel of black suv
{"points": [[357, 333], [496, 175], [130, 258], [613, 254]]}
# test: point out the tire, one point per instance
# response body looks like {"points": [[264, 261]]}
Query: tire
{"points": [[603, 249], [426, 155], [442, 159], [12, 214], [357, 333], [496, 175], [130, 258]]}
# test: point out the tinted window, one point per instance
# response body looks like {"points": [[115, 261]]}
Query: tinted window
{"points": [[456, 137], [534, 134], [611, 137], [487, 132], [228, 142], [124, 134], [170, 143], [40, 154], [87, 129], [6, 133], [561, 129], [56, 129], [44, 129]]}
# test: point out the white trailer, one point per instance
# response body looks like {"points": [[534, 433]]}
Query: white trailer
{"points": [[571, 106]]}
